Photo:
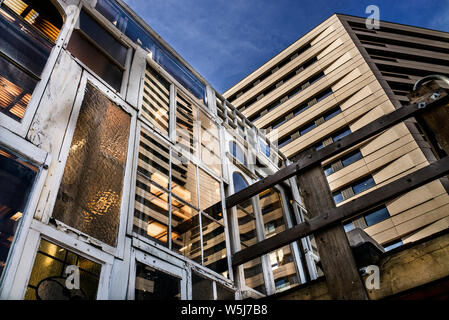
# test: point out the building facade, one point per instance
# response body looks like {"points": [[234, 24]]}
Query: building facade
{"points": [[112, 152], [334, 80]]}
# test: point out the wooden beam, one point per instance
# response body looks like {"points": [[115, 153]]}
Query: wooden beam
{"points": [[312, 158], [334, 216], [338, 263]]}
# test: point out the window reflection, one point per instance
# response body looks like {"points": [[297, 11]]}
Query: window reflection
{"points": [[48, 278], [210, 144], [16, 180], [152, 284], [186, 125], [202, 289], [156, 100], [214, 242]]}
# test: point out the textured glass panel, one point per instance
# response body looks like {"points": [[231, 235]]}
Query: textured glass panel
{"points": [[103, 38], [21, 44], [90, 194], [130, 27], [210, 192], [186, 125], [16, 180], [202, 289], [214, 242], [154, 159], [151, 213], [48, 277], [94, 59], [152, 284], [210, 144], [156, 100]]}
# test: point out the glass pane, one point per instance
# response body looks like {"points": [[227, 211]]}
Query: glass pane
{"points": [[364, 185], [152, 284], [49, 275], [90, 194], [351, 158], [254, 275], [16, 180], [349, 226], [21, 44], [127, 24], [184, 180], [247, 224], [237, 152], [154, 159], [210, 191], [282, 263], [202, 289], [94, 59], [210, 144], [224, 293], [40, 14], [186, 230], [103, 38], [151, 210], [214, 242], [377, 216], [186, 125], [16, 88], [156, 101]]}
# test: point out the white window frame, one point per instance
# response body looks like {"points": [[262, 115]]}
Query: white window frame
{"points": [[21, 128], [39, 231], [58, 172], [40, 159]]}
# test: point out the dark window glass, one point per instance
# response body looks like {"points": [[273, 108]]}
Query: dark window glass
{"points": [[300, 109], [202, 289], [376, 216], [239, 182], [324, 95], [364, 185], [96, 60], [224, 293], [331, 114], [341, 135], [351, 158], [99, 50], [16, 180], [282, 142], [89, 198], [307, 128], [48, 278], [152, 284]]}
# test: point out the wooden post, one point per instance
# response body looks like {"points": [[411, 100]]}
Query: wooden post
{"points": [[342, 275], [435, 119]]}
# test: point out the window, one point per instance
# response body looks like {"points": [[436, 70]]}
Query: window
{"points": [[239, 182], [99, 50], [186, 124], [264, 147], [29, 31], [17, 176], [333, 138], [354, 189], [138, 33], [349, 226], [237, 152], [90, 194], [210, 143], [345, 161], [202, 289], [376, 216], [152, 284], [47, 280], [156, 101]]}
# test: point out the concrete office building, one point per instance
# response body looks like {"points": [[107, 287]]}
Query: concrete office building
{"points": [[334, 80]]}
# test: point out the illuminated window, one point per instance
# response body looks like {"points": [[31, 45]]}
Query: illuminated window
{"points": [[29, 31], [51, 267], [17, 176]]}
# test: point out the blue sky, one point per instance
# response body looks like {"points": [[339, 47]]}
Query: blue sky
{"points": [[225, 40]]}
